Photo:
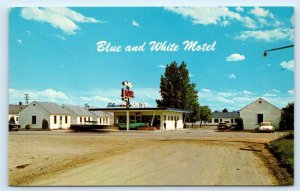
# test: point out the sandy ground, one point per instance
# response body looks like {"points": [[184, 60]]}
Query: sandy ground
{"points": [[183, 157]]}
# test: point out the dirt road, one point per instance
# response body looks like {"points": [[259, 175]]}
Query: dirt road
{"points": [[189, 157]]}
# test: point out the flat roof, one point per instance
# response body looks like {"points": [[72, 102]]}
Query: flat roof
{"points": [[140, 109]]}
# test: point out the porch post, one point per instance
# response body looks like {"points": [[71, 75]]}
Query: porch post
{"points": [[127, 120]]}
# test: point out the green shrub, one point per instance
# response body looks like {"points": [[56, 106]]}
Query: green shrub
{"points": [[283, 149], [28, 126], [239, 124], [45, 124]]}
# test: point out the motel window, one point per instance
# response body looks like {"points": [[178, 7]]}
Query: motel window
{"points": [[168, 117], [100, 120], [122, 119], [172, 118], [177, 118], [60, 119], [33, 119], [231, 120], [17, 119], [66, 119], [216, 120], [210, 120], [55, 120], [80, 119], [84, 119], [220, 120], [165, 117]]}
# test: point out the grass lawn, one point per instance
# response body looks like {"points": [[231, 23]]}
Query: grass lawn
{"points": [[283, 149]]}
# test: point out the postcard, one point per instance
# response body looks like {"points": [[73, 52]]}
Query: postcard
{"points": [[151, 96]]}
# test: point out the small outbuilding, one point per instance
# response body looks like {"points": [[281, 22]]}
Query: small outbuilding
{"points": [[34, 114], [223, 117], [14, 110], [260, 111], [79, 115]]}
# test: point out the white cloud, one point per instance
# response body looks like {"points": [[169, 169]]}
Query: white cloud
{"points": [[236, 100], [291, 92], [275, 90], [225, 94], [56, 36], [60, 37], [205, 90], [19, 41], [268, 35], [161, 66], [211, 15], [247, 92], [60, 17], [231, 76], [259, 12], [96, 98], [269, 95], [191, 75], [288, 65], [235, 57], [28, 32], [135, 24], [249, 23], [49, 95], [239, 9], [101, 99]]}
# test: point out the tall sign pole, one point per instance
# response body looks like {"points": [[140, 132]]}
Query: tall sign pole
{"points": [[126, 95]]}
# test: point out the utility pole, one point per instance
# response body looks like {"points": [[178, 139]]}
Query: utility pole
{"points": [[26, 97]]}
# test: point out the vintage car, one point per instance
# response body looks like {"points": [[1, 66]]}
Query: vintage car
{"points": [[13, 127], [265, 127], [223, 126]]}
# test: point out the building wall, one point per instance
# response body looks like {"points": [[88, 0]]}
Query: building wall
{"points": [[104, 121], [270, 114], [171, 118], [25, 116], [220, 120], [83, 120], [167, 117], [60, 122]]}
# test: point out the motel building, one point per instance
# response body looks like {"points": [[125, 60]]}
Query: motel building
{"points": [[134, 118]]}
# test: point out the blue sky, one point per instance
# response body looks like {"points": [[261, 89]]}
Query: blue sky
{"points": [[53, 53]]}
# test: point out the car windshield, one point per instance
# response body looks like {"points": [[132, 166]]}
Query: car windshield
{"points": [[266, 124]]}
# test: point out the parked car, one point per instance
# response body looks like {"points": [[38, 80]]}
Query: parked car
{"points": [[265, 127], [223, 126], [13, 127]]}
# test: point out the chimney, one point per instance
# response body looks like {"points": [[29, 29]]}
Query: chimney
{"points": [[86, 106]]}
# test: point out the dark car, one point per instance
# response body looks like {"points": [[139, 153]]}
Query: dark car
{"points": [[13, 127]]}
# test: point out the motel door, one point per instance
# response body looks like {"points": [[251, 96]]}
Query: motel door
{"points": [[260, 118]]}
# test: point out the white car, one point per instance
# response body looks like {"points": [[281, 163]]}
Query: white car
{"points": [[266, 127]]}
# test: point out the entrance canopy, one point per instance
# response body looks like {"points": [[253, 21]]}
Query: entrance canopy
{"points": [[158, 117], [136, 109]]}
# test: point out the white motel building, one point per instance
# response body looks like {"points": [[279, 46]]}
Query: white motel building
{"points": [[161, 118]]}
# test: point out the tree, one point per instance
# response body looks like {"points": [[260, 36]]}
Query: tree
{"points": [[204, 113], [287, 117], [176, 89], [225, 110]]}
